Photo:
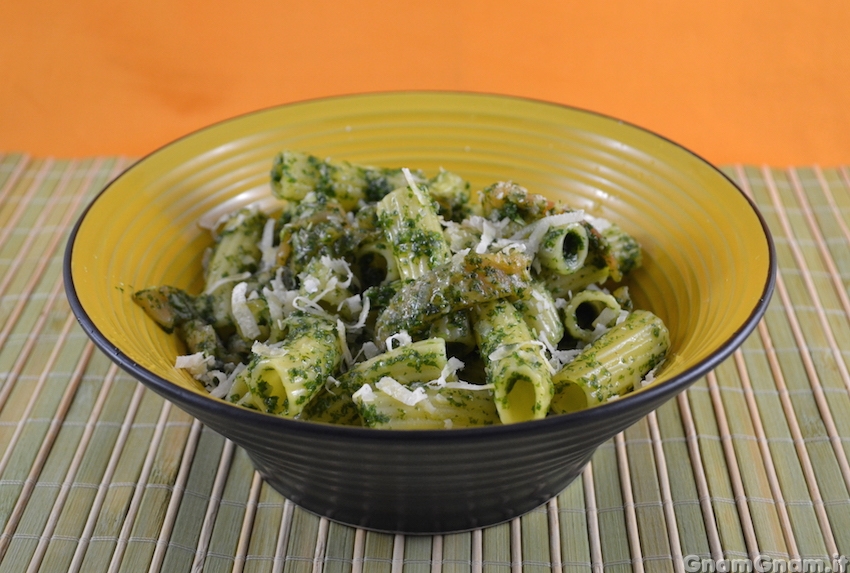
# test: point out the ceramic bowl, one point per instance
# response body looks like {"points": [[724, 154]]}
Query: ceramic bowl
{"points": [[708, 272]]}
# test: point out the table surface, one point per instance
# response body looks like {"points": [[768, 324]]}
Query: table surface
{"points": [[99, 474]]}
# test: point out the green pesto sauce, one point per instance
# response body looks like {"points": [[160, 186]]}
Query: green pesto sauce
{"points": [[381, 295], [330, 238], [597, 251], [420, 243], [377, 187], [262, 391], [371, 416], [550, 239]]}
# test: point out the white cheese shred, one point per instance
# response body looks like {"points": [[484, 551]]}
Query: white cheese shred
{"points": [[458, 257], [557, 358], [488, 235], [402, 339], [365, 304], [339, 267], [224, 387], [598, 223], [268, 350], [332, 385], [650, 376], [411, 182], [211, 288], [343, 342], [370, 349], [532, 235], [307, 305], [242, 314], [395, 390], [506, 350], [196, 364], [453, 365], [310, 284], [269, 253], [364, 395]]}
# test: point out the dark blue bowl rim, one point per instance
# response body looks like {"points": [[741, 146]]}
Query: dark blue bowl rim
{"points": [[648, 398]]}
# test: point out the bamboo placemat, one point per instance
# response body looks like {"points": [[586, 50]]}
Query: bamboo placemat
{"points": [[99, 474]]}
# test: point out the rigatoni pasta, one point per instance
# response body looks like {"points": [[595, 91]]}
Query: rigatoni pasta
{"points": [[612, 365], [514, 362], [381, 297]]}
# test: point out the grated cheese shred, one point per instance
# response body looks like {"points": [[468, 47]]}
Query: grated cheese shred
{"points": [[242, 314], [397, 391]]}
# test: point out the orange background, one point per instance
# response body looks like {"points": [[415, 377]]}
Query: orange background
{"points": [[733, 80]]}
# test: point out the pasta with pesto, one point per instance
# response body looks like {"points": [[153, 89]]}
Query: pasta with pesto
{"points": [[384, 298]]}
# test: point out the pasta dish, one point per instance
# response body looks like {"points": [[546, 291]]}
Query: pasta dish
{"points": [[386, 298]]}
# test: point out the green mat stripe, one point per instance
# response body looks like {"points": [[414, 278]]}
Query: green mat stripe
{"points": [[99, 474]]}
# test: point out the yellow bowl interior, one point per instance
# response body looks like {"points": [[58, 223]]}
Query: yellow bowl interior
{"points": [[706, 252]]}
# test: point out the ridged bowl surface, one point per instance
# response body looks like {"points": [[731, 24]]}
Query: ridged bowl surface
{"points": [[708, 273]]}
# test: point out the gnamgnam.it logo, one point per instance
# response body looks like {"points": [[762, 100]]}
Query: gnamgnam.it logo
{"points": [[765, 564]]}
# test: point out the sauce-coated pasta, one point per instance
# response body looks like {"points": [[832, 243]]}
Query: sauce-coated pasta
{"points": [[382, 297]]}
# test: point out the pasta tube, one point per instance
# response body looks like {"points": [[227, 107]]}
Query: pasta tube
{"points": [[346, 183], [614, 364], [169, 306], [514, 362], [237, 247], [412, 387], [538, 310], [419, 361], [589, 312], [456, 330], [283, 378], [317, 228], [294, 175], [564, 286], [376, 263], [409, 388], [332, 404], [564, 248], [394, 406], [413, 229], [451, 192], [452, 287], [506, 200], [624, 249], [234, 257]]}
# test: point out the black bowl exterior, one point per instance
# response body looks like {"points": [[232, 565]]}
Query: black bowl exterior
{"points": [[401, 483]]}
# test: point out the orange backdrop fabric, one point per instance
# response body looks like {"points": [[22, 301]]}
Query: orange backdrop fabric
{"points": [[752, 82]]}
